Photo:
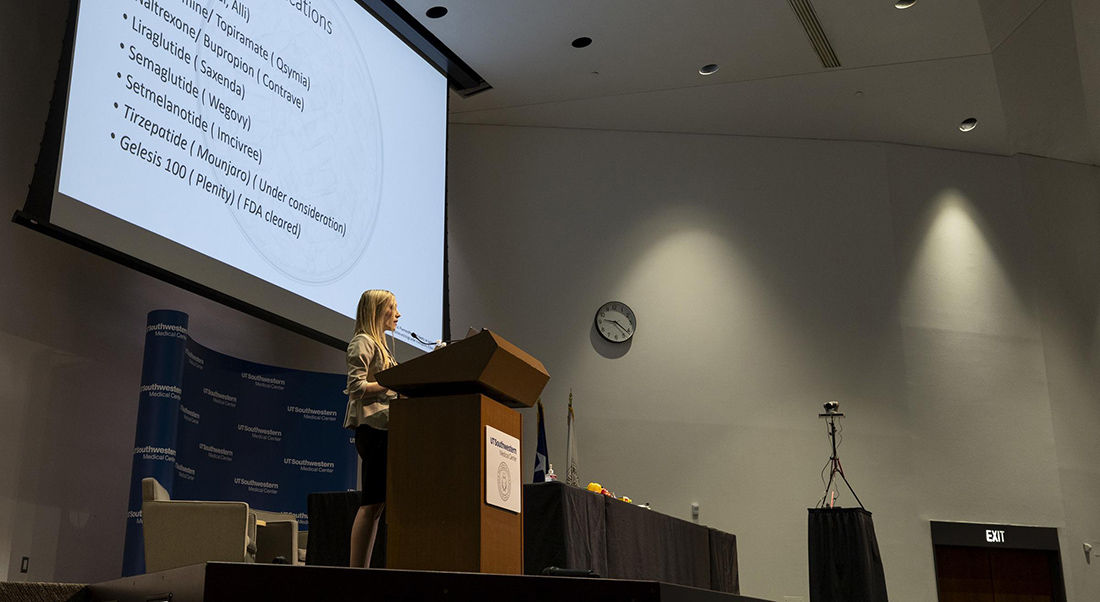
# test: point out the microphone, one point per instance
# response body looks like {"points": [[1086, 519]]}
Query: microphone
{"points": [[438, 344]]}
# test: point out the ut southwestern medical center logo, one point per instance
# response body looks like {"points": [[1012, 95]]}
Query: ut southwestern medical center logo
{"points": [[504, 481]]}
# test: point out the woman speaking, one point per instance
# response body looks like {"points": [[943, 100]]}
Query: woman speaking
{"points": [[368, 412]]}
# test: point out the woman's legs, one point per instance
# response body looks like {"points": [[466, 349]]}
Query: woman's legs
{"points": [[373, 446], [363, 533]]}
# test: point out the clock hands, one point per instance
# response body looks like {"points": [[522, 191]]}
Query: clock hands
{"points": [[617, 313]]}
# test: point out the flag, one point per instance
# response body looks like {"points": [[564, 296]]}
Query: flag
{"points": [[540, 449], [571, 477]]}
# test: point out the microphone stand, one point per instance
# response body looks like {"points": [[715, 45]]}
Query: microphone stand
{"points": [[434, 344]]}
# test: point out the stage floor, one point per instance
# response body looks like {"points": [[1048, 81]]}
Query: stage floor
{"points": [[240, 582]]}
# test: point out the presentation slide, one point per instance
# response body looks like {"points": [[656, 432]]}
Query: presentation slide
{"points": [[298, 142]]}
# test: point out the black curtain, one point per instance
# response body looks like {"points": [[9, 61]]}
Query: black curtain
{"points": [[723, 562], [845, 564], [647, 545], [564, 527]]}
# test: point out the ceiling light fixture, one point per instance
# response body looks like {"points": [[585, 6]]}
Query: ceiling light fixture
{"points": [[710, 69], [904, 4], [968, 124], [436, 12], [581, 42]]}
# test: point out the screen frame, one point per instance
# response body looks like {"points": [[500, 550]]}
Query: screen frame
{"points": [[37, 208]]}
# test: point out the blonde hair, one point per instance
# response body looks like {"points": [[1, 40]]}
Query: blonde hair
{"points": [[368, 320]]}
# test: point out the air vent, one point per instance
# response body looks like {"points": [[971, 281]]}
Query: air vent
{"points": [[806, 14]]}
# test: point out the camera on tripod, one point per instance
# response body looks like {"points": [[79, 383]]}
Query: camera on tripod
{"points": [[832, 417], [832, 410]]}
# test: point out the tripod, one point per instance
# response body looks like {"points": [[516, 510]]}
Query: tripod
{"points": [[831, 416]]}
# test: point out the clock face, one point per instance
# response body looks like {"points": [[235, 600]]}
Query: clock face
{"points": [[616, 322]]}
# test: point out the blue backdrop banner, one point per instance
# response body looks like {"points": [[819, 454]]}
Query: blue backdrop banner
{"points": [[215, 427]]}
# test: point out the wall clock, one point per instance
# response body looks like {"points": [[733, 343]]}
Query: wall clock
{"points": [[615, 322]]}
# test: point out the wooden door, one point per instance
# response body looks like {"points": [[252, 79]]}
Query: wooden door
{"points": [[971, 574]]}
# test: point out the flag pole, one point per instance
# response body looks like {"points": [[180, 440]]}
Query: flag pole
{"points": [[541, 455], [572, 477]]}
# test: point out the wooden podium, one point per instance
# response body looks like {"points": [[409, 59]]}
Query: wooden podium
{"points": [[437, 514]]}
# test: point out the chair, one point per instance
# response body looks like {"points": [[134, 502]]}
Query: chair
{"points": [[183, 532], [303, 545], [276, 536]]}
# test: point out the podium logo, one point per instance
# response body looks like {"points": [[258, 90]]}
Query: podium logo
{"points": [[504, 481], [502, 445], [505, 450]]}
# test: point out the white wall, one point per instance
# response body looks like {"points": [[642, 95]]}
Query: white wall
{"points": [[927, 290], [1063, 202], [71, 337]]}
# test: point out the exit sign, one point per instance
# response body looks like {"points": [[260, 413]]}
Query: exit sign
{"points": [[994, 536]]}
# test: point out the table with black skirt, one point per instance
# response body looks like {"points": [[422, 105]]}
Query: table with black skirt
{"points": [[572, 528]]}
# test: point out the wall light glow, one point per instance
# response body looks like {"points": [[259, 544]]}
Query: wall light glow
{"points": [[957, 280]]}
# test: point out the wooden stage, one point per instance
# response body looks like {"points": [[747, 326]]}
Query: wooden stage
{"points": [[241, 582]]}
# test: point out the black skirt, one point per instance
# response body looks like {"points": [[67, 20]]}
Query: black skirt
{"points": [[373, 447]]}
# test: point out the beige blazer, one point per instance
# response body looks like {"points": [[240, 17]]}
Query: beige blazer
{"points": [[371, 409]]}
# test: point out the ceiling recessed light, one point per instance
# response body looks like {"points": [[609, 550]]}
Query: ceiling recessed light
{"points": [[904, 4], [968, 124], [436, 12], [708, 69], [581, 42]]}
